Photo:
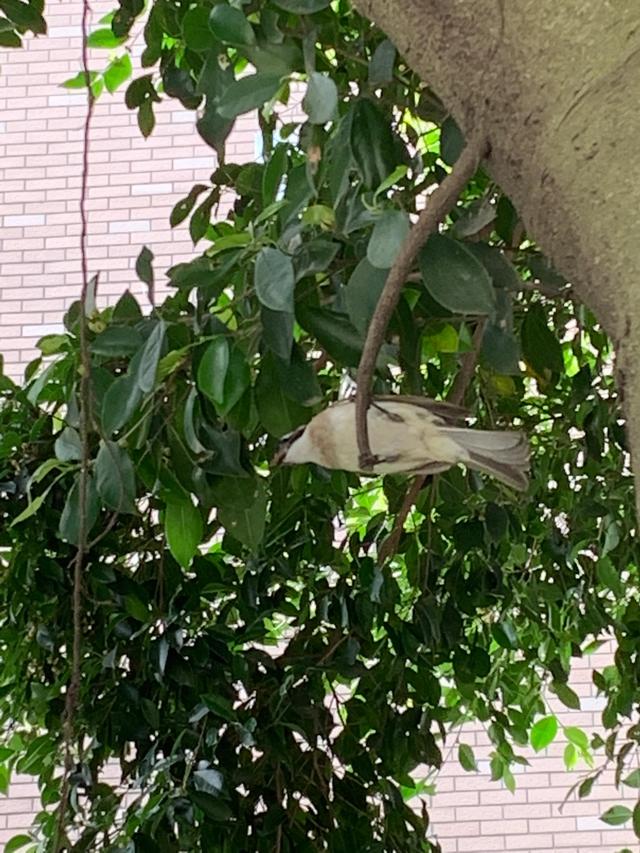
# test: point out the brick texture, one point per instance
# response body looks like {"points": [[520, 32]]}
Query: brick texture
{"points": [[134, 184]]}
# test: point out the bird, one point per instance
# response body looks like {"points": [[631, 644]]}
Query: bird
{"points": [[408, 435]]}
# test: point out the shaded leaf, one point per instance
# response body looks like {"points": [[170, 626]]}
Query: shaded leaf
{"points": [[183, 528], [467, 758], [115, 477], [274, 279], [68, 446], [387, 237], [69, 527], [248, 93], [212, 370], [321, 98], [229, 25], [455, 278]]}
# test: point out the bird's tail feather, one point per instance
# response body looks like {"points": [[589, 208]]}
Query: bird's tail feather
{"points": [[503, 455]]}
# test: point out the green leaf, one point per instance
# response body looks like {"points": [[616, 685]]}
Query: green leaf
{"points": [[209, 781], [314, 256], [148, 365], [144, 270], [120, 403], [274, 171], [26, 15], [146, 119], [79, 81], [195, 29], [570, 756], [467, 758], [566, 695], [103, 38], [636, 819], [212, 370], [30, 509], [278, 413], [543, 732], [274, 279], [585, 786], [69, 527], [229, 25], [577, 736], [298, 379], [616, 815], [52, 344], [505, 635], [117, 342], [540, 347], [335, 333], [302, 7], [247, 524], [68, 446], [500, 350], [115, 477], [387, 237], [633, 779], [451, 141], [373, 144], [277, 331], [117, 72], [236, 381], [455, 278], [184, 207], [183, 528], [320, 102], [382, 63], [248, 93], [16, 842]]}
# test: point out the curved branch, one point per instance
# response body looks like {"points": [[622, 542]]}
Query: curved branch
{"points": [[439, 204]]}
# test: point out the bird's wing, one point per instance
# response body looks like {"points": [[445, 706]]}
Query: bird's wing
{"points": [[449, 412]]}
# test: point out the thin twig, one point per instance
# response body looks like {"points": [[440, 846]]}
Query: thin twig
{"points": [[439, 204], [456, 395], [73, 689]]}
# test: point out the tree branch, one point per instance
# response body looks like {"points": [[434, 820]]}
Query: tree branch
{"points": [[73, 688], [439, 204], [456, 395]]}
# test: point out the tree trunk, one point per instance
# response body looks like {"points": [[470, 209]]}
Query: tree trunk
{"points": [[556, 87]]}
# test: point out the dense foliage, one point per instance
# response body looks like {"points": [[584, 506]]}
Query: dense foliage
{"points": [[263, 683]]}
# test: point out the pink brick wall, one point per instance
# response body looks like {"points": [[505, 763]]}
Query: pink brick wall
{"points": [[134, 184]]}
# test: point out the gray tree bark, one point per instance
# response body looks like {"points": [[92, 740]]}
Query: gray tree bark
{"points": [[555, 85]]}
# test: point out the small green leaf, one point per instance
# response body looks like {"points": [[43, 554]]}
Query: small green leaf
{"points": [[540, 347], [195, 29], [467, 758], [115, 477], [585, 786], [52, 344], [229, 25], [79, 81], [144, 270], [373, 144], [30, 509], [633, 779], [247, 524], [277, 331], [274, 279], [16, 842], [274, 172], [570, 756], [69, 527], [209, 781], [103, 38], [148, 365], [183, 528], [381, 64], [566, 695], [184, 207], [636, 819], [451, 141], [320, 102], [577, 736], [117, 72], [146, 118], [120, 402], [616, 815], [455, 278], [248, 93], [68, 446], [212, 370], [543, 733], [387, 237], [117, 342]]}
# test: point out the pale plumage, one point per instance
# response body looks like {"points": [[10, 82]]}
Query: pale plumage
{"points": [[410, 435]]}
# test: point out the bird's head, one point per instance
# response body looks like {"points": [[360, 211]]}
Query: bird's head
{"points": [[286, 453]]}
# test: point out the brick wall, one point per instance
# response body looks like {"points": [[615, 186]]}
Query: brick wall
{"points": [[134, 184]]}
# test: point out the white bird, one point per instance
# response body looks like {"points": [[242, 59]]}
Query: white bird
{"points": [[408, 435]]}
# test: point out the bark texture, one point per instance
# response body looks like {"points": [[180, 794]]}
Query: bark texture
{"points": [[556, 87]]}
